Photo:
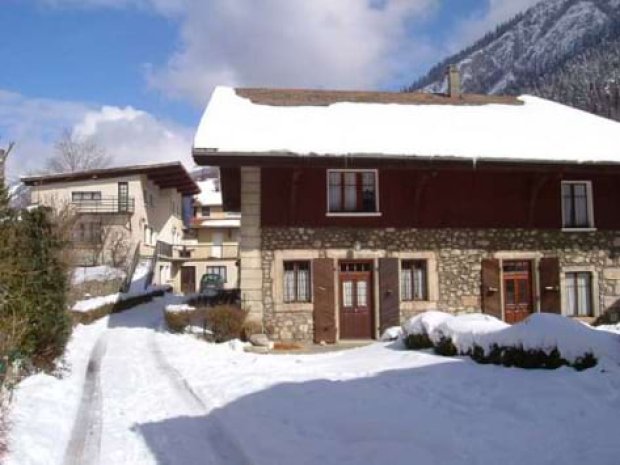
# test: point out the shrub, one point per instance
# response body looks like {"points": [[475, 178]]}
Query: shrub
{"points": [[177, 321], [250, 328], [445, 347], [585, 362], [418, 341], [226, 322]]}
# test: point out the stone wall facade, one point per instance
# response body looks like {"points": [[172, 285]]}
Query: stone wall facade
{"points": [[458, 256]]}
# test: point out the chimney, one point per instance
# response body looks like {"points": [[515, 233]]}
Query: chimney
{"points": [[454, 82]]}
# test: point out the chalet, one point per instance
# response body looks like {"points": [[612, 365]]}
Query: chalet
{"points": [[360, 209], [127, 216]]}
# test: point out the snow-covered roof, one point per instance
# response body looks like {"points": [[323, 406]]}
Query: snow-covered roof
{"points": [[422, 125], [209, 192]]}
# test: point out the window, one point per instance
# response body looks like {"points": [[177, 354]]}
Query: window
{"points": [[413, 280], [205, 211], [579, 294], [352, 191], [296, 282], [218, 270], [88, 232], [577, 204], [85, 196]]}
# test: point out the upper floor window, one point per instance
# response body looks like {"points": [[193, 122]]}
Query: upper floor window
{"points": [[81, 196], [352, 191], [413, 280], [577, 205]]}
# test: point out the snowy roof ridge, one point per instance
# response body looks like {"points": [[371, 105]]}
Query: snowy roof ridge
{"points": [[536, 130]]}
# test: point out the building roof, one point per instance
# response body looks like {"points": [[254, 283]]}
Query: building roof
{"points": [[164, 175], [264, 123]]}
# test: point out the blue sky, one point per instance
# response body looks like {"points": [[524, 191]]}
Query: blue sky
{"points": [[136, 74]]}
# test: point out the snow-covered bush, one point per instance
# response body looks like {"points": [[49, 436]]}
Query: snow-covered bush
{"points": [[541, 341], [392, 334], [179, 317]]}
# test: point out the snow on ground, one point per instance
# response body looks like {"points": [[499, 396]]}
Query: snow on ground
{"points": [[83, 274], [173, 399]]}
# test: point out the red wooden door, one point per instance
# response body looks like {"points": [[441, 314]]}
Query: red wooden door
{"points": [[517, 290], [356, 309]]}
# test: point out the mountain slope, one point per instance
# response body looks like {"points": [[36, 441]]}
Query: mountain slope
{"points": [[566, 50]]}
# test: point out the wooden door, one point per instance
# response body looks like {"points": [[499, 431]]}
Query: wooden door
{"points": [[324, 298], [389, 297], [356, 309], [490, 292], [517, 290], [188, 279], [549, 271]]}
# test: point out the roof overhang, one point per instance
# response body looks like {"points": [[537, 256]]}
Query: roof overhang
{"points": [[164, 175], [368, 160]]}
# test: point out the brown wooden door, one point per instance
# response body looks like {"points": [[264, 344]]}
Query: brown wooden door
{"points": [[490, 292], [549, 270], [324, 300], [356, 309], [517, 290], [188, 279]]}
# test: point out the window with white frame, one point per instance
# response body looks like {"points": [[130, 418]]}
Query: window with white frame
{"points": [[296, 281], [352, 191], [413, 280], [218, 270], [577, 205], [579, 294]]}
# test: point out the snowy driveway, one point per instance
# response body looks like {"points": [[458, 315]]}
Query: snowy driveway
{"points": [[137, 395]]}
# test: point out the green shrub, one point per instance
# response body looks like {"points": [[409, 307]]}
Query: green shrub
{"points": [[418, 341], [585, 362], [34, 274], [445, 347]]}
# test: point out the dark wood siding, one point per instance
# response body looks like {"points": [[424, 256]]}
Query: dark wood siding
{"points": [[324, 300], [490, 289], [410, 198], [550, 301], [389, 293]]}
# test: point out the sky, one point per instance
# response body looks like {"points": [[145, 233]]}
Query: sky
{"points": [[135, 75]]}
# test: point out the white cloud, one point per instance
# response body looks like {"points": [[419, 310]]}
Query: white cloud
{"points": [[130, 136], [317, 43]]}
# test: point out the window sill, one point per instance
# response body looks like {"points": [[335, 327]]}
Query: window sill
{"points": [[354, 215], [579, 229]]}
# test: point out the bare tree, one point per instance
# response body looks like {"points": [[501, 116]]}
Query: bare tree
{"points": [[4, 153], [74, 153]]}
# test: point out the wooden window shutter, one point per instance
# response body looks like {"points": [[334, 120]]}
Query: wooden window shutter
{"points": [[550, 301], [389, 293], [324, 300], [490, 291]]}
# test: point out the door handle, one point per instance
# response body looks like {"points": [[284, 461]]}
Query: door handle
{"points": [[551, 288], [492, 289]]}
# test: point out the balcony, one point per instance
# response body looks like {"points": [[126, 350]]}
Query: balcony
{"points": [[105, 205], [210, 251]]}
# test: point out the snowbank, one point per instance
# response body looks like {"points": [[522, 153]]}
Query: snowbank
{"points": [[540, 332], [179, 308], [84, 274], [392, 334]]}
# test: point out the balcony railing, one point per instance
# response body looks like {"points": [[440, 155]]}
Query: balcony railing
{"points": [[113, 205], [206, 251]]}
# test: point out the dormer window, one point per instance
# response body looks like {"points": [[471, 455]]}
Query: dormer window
{"points": [[352, 192], [577, 210]]}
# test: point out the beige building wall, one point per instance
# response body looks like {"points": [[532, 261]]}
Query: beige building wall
{"points": [[251, 279], [157, 213]]}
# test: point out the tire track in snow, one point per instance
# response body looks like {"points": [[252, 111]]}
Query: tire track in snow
{"points": [[85, 442], [226, 449]]}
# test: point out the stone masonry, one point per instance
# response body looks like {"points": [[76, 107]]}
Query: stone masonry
{"points": [[459, 255]]}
